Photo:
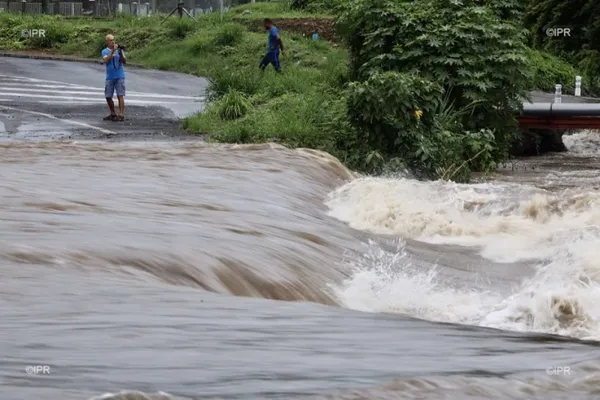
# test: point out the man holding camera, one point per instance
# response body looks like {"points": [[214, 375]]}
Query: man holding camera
{"points": [[114, 58]]}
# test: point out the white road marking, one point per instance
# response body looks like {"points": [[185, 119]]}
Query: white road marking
{"points": [[28, 79], [67, 121], [101, 91], [20, 84], [32, 90], [94, 99], [101, 101]]}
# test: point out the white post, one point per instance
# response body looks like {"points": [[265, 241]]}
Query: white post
{"points": [[221, 6], [558, 94], [577, 86], [73, 9]]}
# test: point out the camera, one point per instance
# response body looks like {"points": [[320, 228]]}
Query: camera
{"points": [[119, 47]]}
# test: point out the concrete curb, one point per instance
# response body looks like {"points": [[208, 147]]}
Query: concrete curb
{"points": [[60, 58]]}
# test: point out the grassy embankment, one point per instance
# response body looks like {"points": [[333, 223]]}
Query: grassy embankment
{"points": [[305, 107]]}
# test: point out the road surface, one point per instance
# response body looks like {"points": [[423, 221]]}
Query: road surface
{"points": [[49, 99]]}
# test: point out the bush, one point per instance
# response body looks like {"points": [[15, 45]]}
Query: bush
{"points": [[233, 105], [299, 4], [408, 118], [229, 34], [383, 106], [317, 5], [510, 10], [179, 28], [453, 48], [12, 27], [549, 70]]}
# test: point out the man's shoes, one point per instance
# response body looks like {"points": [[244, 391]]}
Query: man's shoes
{"points": [[115, 117]]}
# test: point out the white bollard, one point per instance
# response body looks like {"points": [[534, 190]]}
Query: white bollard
{"points": [[577, 86], [558, 94]]}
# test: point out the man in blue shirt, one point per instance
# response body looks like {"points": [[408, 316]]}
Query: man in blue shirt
{"points": [[114, 58], [273, 45]]}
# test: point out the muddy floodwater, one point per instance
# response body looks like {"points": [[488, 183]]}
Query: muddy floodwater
{"points": [[182, 270]]}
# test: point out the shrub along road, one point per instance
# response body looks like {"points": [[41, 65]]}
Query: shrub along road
{"points": [[48, 99]]}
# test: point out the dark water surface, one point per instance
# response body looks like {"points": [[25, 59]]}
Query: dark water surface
{"points": [[156, 267]]}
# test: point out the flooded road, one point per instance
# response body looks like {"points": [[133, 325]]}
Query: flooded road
{"points": [[152, 267], [155, 270]]}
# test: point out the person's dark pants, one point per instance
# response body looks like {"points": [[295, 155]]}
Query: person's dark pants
{"points": [[272, 57]]}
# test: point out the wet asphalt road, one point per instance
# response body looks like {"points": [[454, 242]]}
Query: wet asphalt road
{"points": [[47, 99]]}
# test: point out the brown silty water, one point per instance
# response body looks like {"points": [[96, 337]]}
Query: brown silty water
{"points": [[246, 221]]}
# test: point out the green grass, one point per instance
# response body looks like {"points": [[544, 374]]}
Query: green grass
{"points": [[273, 10], [295, 108]]}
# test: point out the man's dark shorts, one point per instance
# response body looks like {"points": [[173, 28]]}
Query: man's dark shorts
{"points": [[272, 57], [113, 85]]}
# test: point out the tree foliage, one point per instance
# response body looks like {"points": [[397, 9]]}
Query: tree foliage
{"points": [[512, 10], [582, 47], [410, 55]]}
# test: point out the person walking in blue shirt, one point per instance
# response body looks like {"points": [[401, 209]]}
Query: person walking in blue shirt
{"points": [[114, 58], [274, 44]]}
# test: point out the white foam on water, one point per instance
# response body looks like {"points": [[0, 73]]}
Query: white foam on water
{"points": [[584, 143], [556, 232], [389, 282], [133, 395], [508, 222], [562, 298]]}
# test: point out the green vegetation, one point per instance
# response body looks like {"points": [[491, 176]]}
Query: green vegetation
{"points": [[582, 47], [430, 85], [462, 66], [550, 70], [277, 9]]}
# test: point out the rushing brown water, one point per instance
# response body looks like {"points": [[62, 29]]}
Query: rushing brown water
{"points": [[225, 219], [154, 267]]}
